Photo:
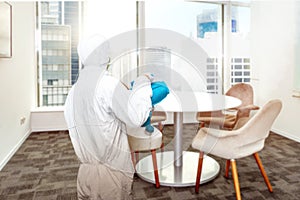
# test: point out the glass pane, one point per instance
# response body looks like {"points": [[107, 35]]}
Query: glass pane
{"points": [[111, 20], [200, 22], [59, 64], [61, 26], [107, 18], [239, 45]]}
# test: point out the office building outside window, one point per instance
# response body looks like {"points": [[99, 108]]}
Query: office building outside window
{"points": [[221, 29], [238, 48], [58, 59], [228, 59], [240, 70]]}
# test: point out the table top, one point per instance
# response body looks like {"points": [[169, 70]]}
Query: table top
{"points": [[189, 101]]}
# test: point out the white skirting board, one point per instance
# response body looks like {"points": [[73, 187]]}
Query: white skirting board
{"points": [[286, 135], [14, 150], [48, 120], [53, 120]]}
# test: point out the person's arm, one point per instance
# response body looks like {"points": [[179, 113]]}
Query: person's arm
{"points": [[133, 106]]}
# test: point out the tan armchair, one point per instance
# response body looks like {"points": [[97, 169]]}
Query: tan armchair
{"points": [[158, 117], [140, 141], [242, 91], [247, 138]]}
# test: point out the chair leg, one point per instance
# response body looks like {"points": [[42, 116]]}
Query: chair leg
{"points": [[137, 156], [263, 172], [153, 152], [227, 169], [201, 125], [132, 158], [199, 170], [162, 146], [161, 127], [235, 180]]}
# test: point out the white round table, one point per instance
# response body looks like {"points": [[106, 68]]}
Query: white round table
{"points": [[178, 168]]}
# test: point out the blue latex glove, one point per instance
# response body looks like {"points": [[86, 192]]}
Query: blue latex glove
{"points": [[149, 128], [159, 91]]}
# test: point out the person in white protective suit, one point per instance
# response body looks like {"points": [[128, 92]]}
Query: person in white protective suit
{"points": [[97, 110]]}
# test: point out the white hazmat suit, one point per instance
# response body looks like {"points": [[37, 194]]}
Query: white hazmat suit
{"points": [[97, 110]]}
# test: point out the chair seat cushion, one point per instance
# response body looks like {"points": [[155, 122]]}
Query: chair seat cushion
{"points": [[140, 140], [228, 147], [214, 146]]}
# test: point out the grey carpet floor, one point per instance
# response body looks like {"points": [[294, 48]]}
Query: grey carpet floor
{"points": [[45, 167]]}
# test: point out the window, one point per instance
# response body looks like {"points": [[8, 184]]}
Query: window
{"points": [[60, 25], [238, 46], [109, 20], [52, 82], [200, 22], [58, 29], [225, 41]]}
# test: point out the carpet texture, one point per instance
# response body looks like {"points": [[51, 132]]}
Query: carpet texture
{"points": [[45, 167]]}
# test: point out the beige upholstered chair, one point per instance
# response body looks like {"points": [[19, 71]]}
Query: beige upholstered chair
{"points": [[247, 138], [158, 117], [140, 141], [242, 91]]}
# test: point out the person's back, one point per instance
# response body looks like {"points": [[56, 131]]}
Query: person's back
{"points": [[97, 110]]}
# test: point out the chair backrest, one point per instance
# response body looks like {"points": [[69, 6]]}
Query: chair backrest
{"points": [[259, 126], [242, 91], [158, 116]]}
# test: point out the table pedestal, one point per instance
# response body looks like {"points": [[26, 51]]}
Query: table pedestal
{"points": [[170, 175]]}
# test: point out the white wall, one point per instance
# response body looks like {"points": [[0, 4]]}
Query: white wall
{"points": [[17, 81], [273, 60]]}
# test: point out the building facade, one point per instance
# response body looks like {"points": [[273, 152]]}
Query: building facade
{"points": [[207, 34], [59, 58]]}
